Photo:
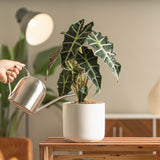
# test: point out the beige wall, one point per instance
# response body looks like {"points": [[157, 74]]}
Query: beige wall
{"points": [[133, 26]]}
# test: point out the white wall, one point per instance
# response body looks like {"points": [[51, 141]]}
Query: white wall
{"points": [[133, 26]]}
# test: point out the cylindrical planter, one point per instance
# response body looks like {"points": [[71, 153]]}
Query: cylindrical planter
{"points": [[84, 122]]}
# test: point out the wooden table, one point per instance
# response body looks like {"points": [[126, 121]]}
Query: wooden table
{"points": [[111, 148]]}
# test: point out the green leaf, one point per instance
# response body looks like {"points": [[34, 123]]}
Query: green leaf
{"points": [[20, 51], [103, 48], [21, 35], [5, 53], [73, 39], [4, 109], [64, 82], [8, 119], [42, 60], [75, 68], [4, 95], [54, 61], [50, 90], [75, 72], [82, 93], [88, 61]]}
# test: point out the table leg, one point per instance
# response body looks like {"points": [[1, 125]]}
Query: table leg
{"points": [[46, 153], [50, 152], [41, 153]]}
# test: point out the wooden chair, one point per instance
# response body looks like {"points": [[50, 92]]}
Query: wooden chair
{"points": [[18, 148], [1, 156]]}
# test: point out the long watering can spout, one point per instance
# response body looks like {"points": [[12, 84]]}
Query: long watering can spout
{"points": [[54, 101]]}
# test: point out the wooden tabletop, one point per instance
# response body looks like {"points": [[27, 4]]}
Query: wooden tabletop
{"points": [[121, 141]]}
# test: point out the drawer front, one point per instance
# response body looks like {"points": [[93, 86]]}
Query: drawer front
{"points": [[158, 127], [129, 128]]}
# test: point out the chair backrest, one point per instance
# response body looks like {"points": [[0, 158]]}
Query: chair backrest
{"points": [[1, 156], [18, 148]]}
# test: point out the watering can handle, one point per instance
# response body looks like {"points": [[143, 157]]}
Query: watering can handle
{"points": [[9, 83]]}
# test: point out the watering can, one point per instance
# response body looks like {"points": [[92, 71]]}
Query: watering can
{"points": [[29, 93]]}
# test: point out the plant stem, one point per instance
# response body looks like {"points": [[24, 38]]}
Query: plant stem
{"points": [[75, 91], [86, 81], [90, 87]]}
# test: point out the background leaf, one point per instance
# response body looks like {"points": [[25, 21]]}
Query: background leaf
{"points": [[4, 113], [42, 60], [54, 61], [9, 124], [5, 53], [19, 52], [104, 50]]}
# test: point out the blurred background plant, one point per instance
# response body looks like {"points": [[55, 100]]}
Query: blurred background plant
{"points": [[10, 117]]}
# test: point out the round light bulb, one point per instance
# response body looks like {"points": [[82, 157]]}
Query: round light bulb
{"points": [[39, 29]]}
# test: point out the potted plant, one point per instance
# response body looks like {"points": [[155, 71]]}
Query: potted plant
{"points": [[83, 120]]}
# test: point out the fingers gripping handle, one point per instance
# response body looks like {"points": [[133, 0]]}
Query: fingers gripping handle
{"points": [[9, 83]]}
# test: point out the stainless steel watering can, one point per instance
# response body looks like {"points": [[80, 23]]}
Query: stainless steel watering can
{"points": [[29, 93]]}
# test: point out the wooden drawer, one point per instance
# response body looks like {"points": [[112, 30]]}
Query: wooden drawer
{"points": [[158, 128], [129, 128]]}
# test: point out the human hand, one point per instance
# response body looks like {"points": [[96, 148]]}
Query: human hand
{"points": [[9, 70]]}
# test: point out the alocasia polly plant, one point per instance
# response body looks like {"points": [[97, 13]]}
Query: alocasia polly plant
{"points": [[79, 61]]}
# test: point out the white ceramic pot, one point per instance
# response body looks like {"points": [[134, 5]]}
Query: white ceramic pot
{"points": [[84, 122]]}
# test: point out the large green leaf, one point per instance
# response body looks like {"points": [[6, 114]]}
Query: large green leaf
{"points": [[20, 51], [88, 61], [42, 60], [73, 39], [5, 53], [103, 48], [64, 82]]}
